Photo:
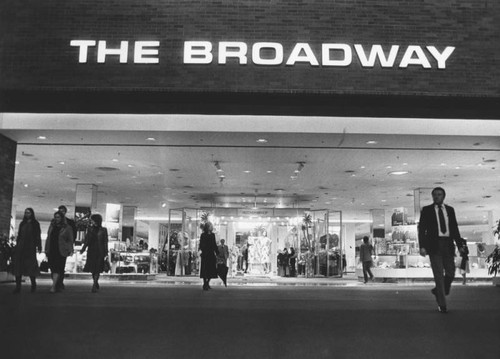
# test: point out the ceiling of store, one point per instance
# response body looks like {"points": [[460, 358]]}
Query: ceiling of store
{"points": [[156, 170]]}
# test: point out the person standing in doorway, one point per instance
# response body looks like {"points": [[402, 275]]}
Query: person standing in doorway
{"points": [[72, 224], [437, 231], [365, 257], [209, 251], [29, 242], [96, 240], [464, 262], [245, 256], [222, 257], [58, 246], [293, 260]]}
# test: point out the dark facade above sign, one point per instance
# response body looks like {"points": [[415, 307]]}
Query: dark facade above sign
{"points": [[432, 49]]}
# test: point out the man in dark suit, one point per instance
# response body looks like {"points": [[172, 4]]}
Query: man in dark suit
{"points": [[437, 231]]}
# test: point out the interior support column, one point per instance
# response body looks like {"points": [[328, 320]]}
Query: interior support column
{"points": [[8, 150]]}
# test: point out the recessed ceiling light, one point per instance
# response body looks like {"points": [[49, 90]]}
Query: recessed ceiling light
{"points": [[398, 173], [405, 164], [130, 166], [269, 171], [150, 139], [61, 162], [457, 168], [384, 200], [114, 160], [362, 167], [443, 164], [26, 185], [388, 167], [222, 176], [41, 138], [164, 205], [261, 140], [247, 171], [17, 162], [371, 142]]}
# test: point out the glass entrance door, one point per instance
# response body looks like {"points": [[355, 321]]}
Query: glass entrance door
{"points": [[326, 234]]}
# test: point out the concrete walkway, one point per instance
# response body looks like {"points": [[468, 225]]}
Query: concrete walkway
{"points": [[154, 319]]}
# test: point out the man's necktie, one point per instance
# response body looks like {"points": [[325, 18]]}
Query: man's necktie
{"points": [[442, 223]]}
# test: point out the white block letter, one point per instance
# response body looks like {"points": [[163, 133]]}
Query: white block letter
{"points": [[84, 47], [441, 57], [140, 52], [376, 52], [308, 56], [327, 61], [198, 52], [102, 52], [239, 50], [421, 59], [278, 53]]}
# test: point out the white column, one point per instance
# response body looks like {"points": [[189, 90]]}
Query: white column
{"points": [[350, 245], [153, 234]]}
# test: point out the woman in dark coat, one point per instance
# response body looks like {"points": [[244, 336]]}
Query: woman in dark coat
{"points": [[28, 244], [96, 240], [58, 246], [209, 251]]}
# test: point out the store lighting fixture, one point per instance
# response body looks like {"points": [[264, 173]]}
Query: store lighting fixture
{"points": [[114, 160], [17, 162], [398, 173], [164, 205], [41, 138], [61, 163], [261, 140], [269, 171], [150, 139], [130, 166], [26, 185], [247, 171], [371, 142]]}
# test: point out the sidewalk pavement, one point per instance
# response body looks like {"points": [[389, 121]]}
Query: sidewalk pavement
{"points": [[347, 280]]}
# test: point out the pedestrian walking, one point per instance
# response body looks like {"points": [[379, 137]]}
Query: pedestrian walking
{"points": [[222, 256], [437, 231], [365, 257], [96, 240], [72, 224], [29, 242], [464, 262], [58, 246], [208, 249]]}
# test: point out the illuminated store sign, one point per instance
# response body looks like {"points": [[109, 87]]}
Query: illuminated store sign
{"points": [[270, 54]]}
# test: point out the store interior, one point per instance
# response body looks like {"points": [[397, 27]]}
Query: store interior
{"points": [[362, 172]]}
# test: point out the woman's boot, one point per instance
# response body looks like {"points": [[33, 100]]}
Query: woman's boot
{"points": [[18, 285], [33, 284]]}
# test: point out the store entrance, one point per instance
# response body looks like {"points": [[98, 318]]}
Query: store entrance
{"points": [[267, 242]]}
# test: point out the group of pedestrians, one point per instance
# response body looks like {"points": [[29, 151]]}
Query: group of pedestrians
{"points": [[59, 245], [287, 260], [437, 234]]}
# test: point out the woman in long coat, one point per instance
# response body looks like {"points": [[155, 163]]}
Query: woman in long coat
{"points": [[96, 240], [58, 246], [28, 244], [209, 251]]}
